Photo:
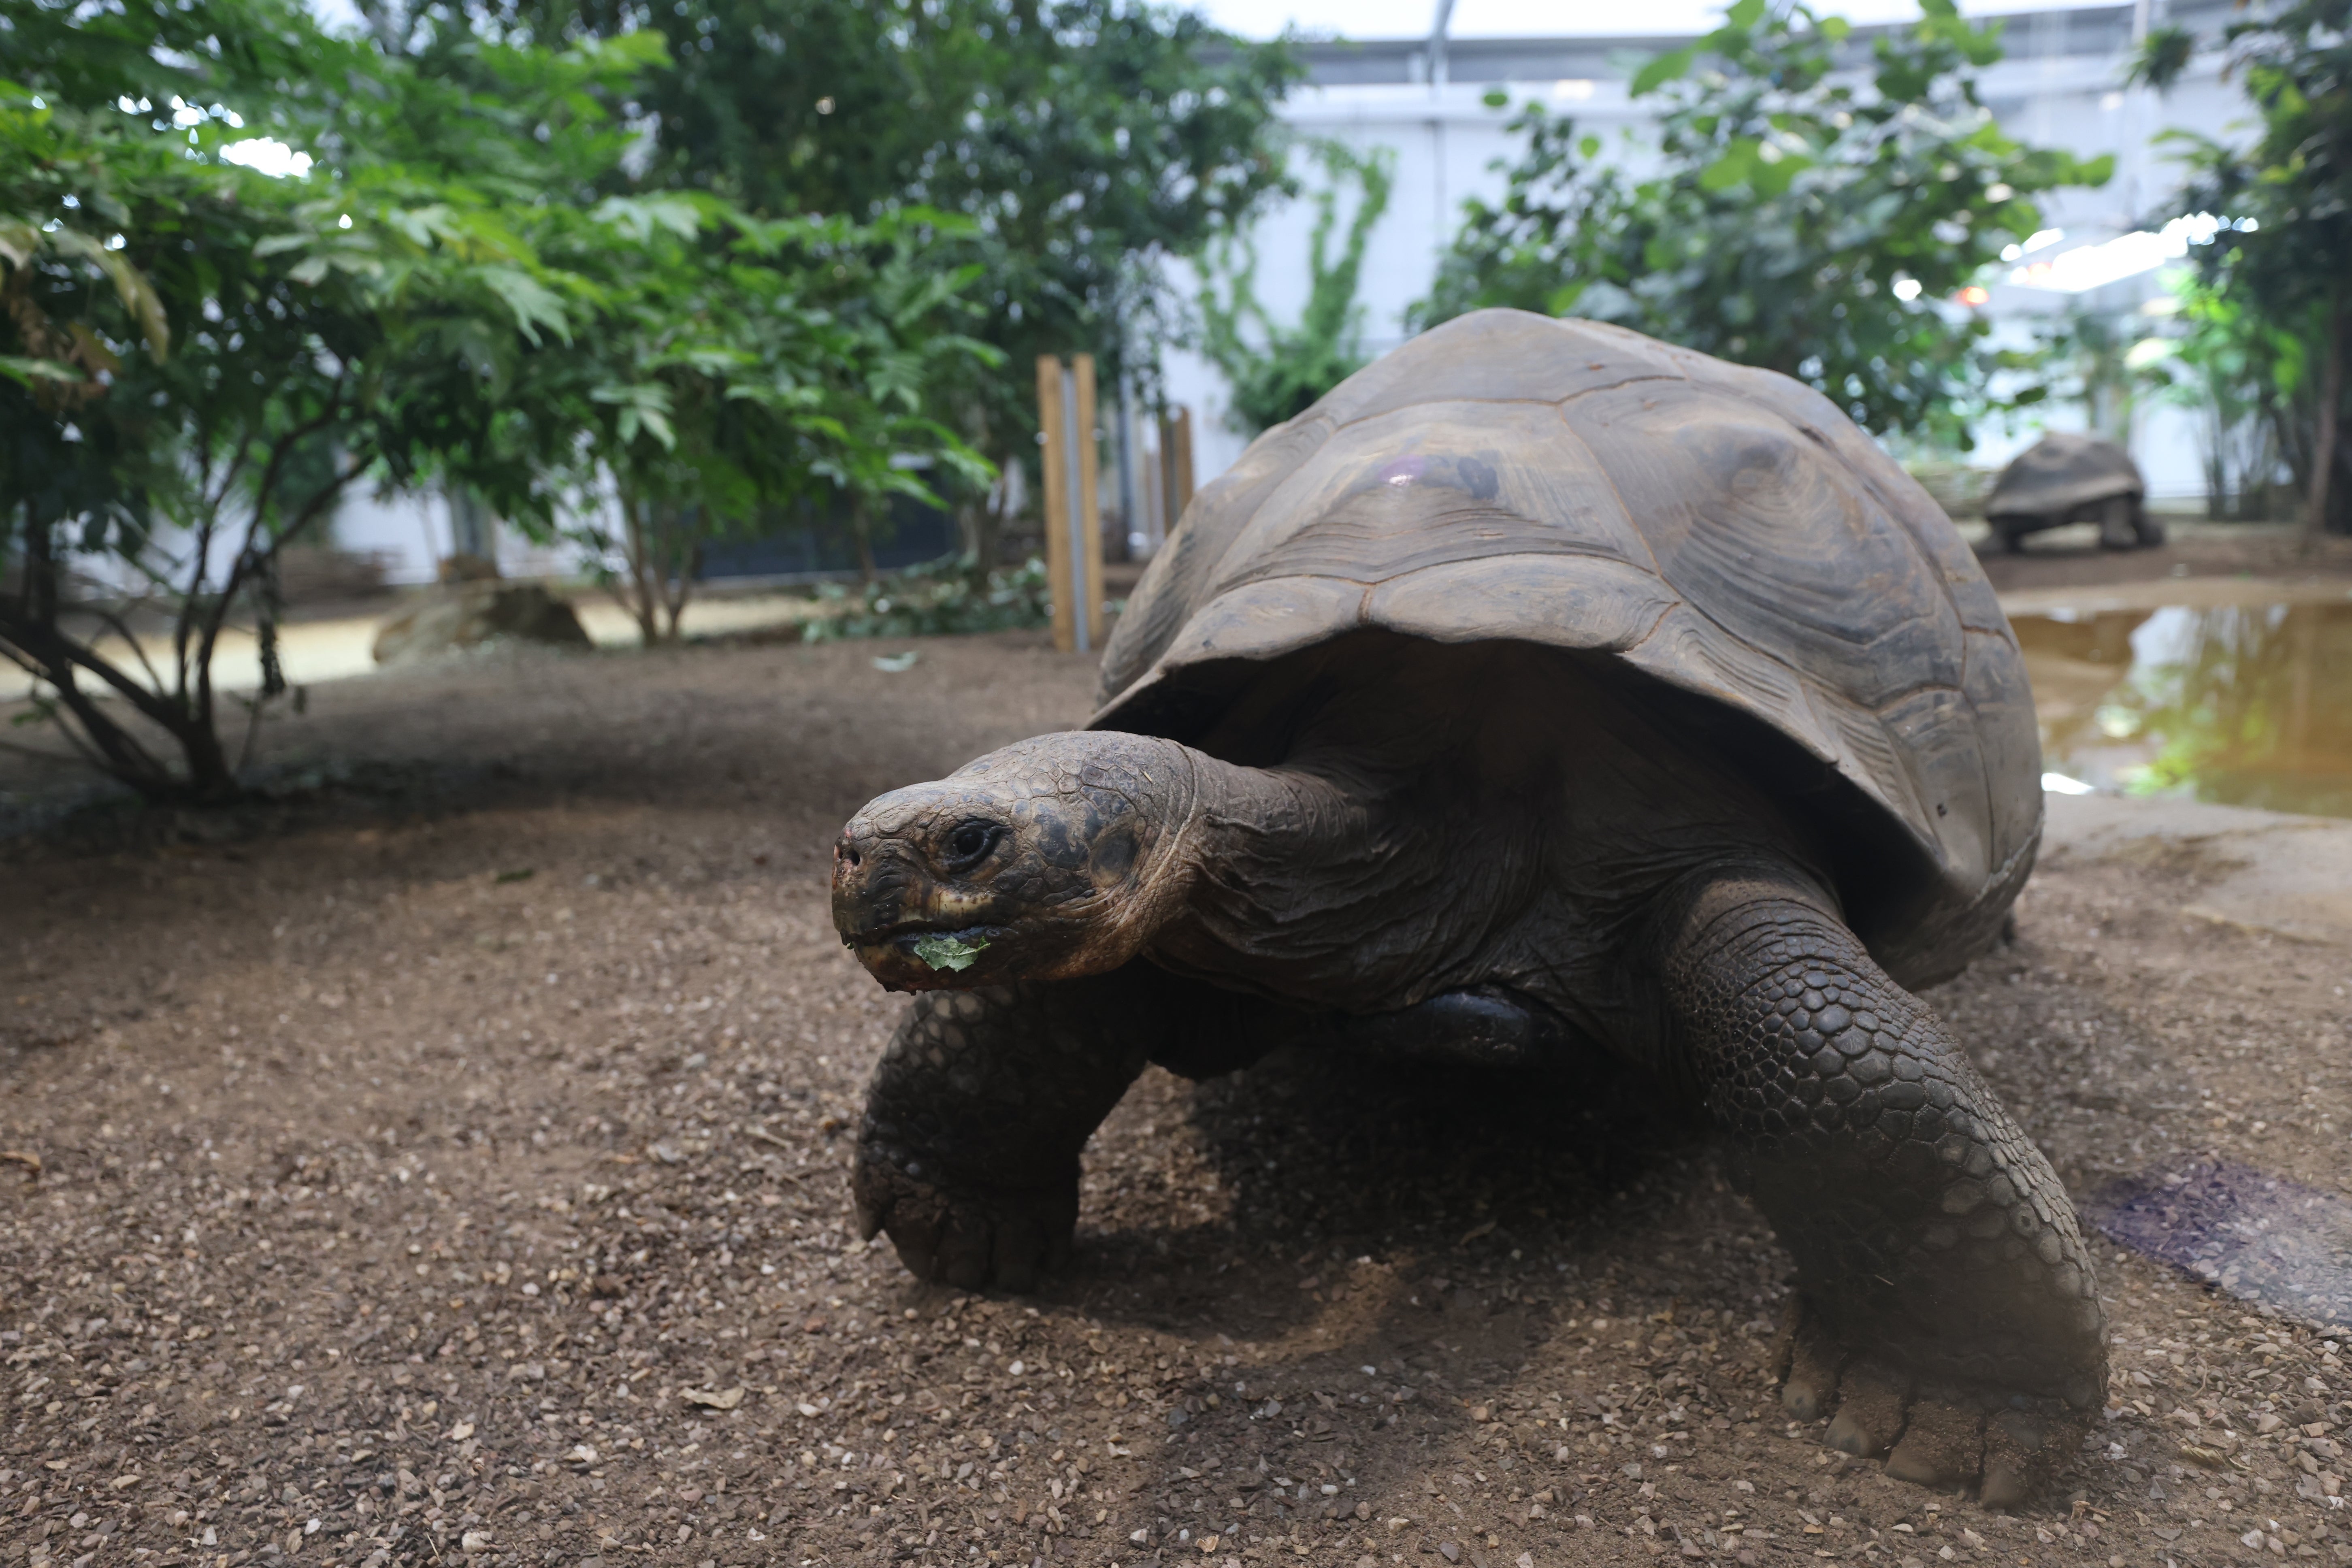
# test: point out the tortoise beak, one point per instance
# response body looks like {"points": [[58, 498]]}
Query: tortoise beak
{"points": [[888, 905]]}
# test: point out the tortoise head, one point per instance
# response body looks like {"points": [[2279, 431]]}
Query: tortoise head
{"points": [[1048, 861]]}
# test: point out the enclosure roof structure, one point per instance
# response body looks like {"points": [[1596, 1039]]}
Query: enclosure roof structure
{"points": [[1458, 56]]}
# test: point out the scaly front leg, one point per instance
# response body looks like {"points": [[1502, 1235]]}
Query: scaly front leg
{"points": [[1947, 1310], [968, 1151]]}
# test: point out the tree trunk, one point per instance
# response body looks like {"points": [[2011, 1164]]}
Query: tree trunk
{"points": [[987, 524], [2331, 406], [639, 551], [861, 528], [686, 547], [210, 777], [30, 627]]}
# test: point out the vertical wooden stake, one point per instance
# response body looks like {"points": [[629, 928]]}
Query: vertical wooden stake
{"points": [[1176, 463], [1085, 523], [1054, 461], [1065, 414]]}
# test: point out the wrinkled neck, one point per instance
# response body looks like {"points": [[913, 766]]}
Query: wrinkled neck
{"points": [[1310, 880]]}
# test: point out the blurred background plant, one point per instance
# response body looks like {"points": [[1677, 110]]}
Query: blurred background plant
{"points": [[318, 263], [1798, 219], [2237, 373], [941, 598], [2091, 363], [2274, 270], [1084, 141], [1276, 372]]}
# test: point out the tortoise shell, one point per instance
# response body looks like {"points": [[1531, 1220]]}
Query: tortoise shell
{"points": [[1760, 571], [2062, 471]]}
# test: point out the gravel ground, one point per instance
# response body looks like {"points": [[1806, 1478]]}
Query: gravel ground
{"points": [[457, 1167]]}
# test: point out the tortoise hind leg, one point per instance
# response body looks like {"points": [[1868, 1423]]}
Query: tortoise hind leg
{"points": [[1947, 1308]]}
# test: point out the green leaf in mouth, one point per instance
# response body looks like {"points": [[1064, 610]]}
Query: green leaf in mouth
{"points": [[949, 952]]}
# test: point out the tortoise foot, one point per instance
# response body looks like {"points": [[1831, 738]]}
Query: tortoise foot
{"points": [[970, 1237], [1934, 1432]]}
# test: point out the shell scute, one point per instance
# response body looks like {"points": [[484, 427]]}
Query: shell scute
{"points": [[1774, 538], [1517, 358], [1448, 482], [1591, 603], [1719, 527]]}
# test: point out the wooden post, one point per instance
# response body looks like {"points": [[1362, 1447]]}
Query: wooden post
{"points": [[1085, 528], [1065, 414], [1176, 463], [1054, 463]]}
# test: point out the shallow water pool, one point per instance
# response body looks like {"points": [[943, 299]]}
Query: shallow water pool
{"points": [[2242, 703]]}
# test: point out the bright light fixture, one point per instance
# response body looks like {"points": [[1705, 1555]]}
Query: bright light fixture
{"points": [[2033, 242], [267, 155], [2088, 266]]}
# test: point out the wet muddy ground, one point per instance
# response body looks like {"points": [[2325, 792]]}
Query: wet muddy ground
{"points": [[2238, 691], [456, 1170]]}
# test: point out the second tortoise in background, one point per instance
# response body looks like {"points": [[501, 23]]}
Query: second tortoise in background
{"points": [[1542, 685], [2066, 477]]}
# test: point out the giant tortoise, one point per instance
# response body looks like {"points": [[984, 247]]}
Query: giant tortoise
{"points": [[1542, 683], [2068, 478]]}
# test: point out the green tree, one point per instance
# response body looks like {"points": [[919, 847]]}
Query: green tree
{"points": [[798, 358], [163, 428], [1276, 372], [1799, 219], [2237, 373], [2287, 198], [2088, 359], [1085, 140], [196, 359]]}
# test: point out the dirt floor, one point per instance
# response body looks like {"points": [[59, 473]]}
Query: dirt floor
{"points": [[453, 1165], [2070, 556]]}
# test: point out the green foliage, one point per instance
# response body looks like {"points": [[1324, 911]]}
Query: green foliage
{"points": [[2287, 198], [168, 434], [1084, 141], [1798, 220], [943, 599], [450, 297], [949, 952], [1280, 375], [742, 364], [2088, 359], [2238, 374]]}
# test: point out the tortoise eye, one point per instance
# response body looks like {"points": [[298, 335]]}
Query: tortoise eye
{"points": [[970, 842]]}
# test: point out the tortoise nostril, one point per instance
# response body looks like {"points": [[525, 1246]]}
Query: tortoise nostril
{"points": [[851, 856]]}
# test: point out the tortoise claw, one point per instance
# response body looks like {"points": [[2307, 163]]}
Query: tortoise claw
{"points": [[970, 1238], [1944, 1435]]}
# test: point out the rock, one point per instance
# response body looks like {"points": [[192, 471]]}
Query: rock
{"points": [[469, 614]]}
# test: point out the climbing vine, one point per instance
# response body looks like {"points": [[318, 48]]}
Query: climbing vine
{"points": [[1277, 372]]}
